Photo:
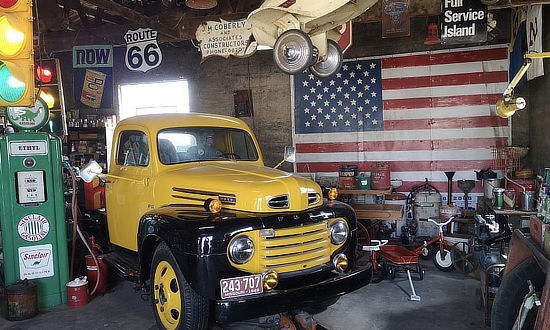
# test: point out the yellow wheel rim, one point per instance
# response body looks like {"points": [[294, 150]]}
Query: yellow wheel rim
{"points": [[167, 295]]}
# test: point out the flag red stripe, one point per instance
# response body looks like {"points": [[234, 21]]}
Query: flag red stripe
{"points": [[445, 58], [405, 145], [440, 123], [400, 166], [445, 80], [440, 185], [443, 101]]}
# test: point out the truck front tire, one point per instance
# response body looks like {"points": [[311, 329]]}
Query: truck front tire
{"points": [[175, 304]]}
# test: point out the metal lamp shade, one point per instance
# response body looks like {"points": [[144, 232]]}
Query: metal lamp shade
{"points": [[201, 4]]}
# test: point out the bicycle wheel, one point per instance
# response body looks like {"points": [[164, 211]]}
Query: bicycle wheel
{"points": [[463, 258]]}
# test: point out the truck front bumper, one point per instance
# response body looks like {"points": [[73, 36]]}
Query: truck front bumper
{"points": [[273, 302]]}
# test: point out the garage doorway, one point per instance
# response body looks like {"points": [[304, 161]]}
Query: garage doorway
{"points": [[149, 98], [153, 98]]}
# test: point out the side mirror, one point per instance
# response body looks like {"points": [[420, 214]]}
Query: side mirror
{"points": [[290, 154], [91, 171]]}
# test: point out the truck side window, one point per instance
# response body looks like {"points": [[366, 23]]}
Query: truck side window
{"points": [[133, 149]]}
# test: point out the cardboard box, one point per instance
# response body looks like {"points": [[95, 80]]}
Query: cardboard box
{"points": [[538, 229]]}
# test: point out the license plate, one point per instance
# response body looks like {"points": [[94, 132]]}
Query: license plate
{"points": [[241, 286]]}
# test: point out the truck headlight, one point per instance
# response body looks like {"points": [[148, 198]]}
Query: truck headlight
{"points": [[241, 249], [338, 232]]}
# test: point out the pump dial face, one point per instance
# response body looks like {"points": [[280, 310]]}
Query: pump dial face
{"points": [[29, 118]]}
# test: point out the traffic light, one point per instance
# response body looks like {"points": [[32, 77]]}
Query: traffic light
{"points": [[49, 88], [16, 53]]}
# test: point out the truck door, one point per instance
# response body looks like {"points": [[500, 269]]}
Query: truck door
{"points": [[129, 196]]}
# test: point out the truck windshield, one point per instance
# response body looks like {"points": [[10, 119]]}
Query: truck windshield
{"points": [[189, 144]]}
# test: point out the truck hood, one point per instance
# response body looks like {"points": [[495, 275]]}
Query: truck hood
{"points": [[243, 187]]}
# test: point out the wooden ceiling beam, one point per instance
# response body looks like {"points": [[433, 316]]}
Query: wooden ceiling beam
{"points": [[136, 17]]}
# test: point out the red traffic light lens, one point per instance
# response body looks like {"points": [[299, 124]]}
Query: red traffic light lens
{"points": [[7, 3], [43, 74]]}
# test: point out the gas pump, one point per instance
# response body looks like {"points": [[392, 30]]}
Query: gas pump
{"points": [[32, 213]]}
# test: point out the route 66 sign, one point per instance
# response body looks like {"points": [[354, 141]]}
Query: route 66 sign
{"points": [[142, 50]]}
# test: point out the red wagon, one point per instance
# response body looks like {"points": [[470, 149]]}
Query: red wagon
{"points": [[397, 258]]}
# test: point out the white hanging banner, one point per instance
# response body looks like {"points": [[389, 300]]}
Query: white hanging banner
{"points": [[534, 40]]}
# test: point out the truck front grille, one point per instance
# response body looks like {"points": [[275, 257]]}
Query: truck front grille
{"points": [[296, 248], [278, 202]]}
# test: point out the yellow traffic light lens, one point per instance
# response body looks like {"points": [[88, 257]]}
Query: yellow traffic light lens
{"points": [[11, 89], [11, 40], [48, 98]]}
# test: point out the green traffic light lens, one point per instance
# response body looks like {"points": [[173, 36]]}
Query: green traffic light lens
{"points": [[11, 89]]}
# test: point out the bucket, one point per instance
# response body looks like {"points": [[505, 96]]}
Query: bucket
{"points": [[92, 273], [498, 202], [77, 292], [488, 187], [362, 182], [380, 176], [22, 300], [527, 199], [528, 184], [347, 174], [509, 199]]}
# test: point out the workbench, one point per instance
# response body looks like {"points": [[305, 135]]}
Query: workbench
{"points": [[375, 211]]}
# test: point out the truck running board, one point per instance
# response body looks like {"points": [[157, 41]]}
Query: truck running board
{"points": [[124, 264]]}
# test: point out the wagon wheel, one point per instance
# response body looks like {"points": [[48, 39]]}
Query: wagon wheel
{"points": [[363, 238], [420, 272], [463, 257]]}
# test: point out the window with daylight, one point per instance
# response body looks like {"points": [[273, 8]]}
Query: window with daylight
{"points": [[153, 98]]}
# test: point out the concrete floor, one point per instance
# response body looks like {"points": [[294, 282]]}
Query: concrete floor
{"points": [[447, 301]]}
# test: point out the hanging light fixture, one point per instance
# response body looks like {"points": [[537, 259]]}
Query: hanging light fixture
{"points": [[433, 35], [201, 4]]}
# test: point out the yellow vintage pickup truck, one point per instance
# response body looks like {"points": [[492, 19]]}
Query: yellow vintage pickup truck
{"points": [[194, 215]]}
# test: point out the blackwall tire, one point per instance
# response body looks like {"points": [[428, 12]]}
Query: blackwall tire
{"points": [[175, 304], [293, 51], [510, 295], [443, 265], [332, 64]]}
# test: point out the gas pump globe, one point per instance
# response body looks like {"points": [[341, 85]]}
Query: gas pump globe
{"points": [[32, 213]]}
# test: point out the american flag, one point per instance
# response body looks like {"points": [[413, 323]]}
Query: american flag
{"points": [[421, 113]]}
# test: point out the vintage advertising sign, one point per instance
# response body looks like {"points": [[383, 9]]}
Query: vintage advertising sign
{"points": [[226, 38], [30, 189], [29, 118], [93, 76], [142, 50], [33, 227], [35, 261], [463, 21], [395, 19], [534, 40]]}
